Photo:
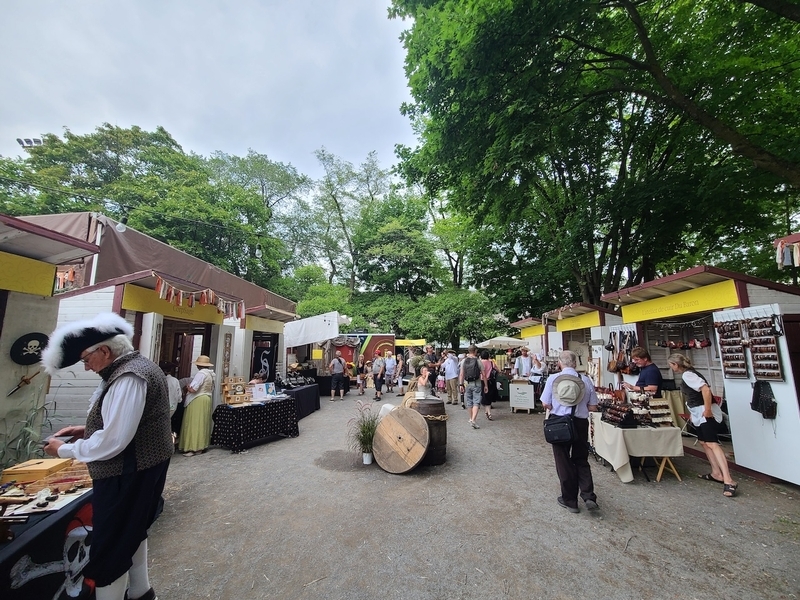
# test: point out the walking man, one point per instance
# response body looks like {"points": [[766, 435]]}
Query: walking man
{"points": [[564, 393], [337, 368], [472, 382], [451, 377], [126, 444]]}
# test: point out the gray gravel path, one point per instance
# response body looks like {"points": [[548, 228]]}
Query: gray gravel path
{"points": [[303, 518]]}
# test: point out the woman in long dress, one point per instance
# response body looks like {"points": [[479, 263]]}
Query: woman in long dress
{"points": [[196, 429]]}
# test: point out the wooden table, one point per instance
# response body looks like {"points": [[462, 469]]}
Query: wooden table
{"points": [[617, 445]]}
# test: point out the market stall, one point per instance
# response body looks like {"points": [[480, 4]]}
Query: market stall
{"points": [[616, 445], [241, 426], [741, 333]]}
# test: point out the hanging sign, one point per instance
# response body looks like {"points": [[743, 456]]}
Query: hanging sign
{"points": [[584, 321], [703, 299]]}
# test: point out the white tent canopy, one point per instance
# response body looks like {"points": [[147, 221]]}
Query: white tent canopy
{"points": [[502, 342], [313, 329]]}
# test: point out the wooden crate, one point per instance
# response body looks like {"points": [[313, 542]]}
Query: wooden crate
{"points": [[35, 469]]}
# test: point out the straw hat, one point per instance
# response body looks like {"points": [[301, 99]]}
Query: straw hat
{"points": [[203, 361]]}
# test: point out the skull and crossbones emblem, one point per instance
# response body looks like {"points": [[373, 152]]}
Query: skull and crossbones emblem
{"points": [[33, 347], [75, 557]]}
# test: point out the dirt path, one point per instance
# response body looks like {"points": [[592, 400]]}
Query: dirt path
{"points": [[302, 518]]}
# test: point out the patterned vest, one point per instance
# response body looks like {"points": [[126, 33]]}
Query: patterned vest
{"points": [[152, 443], [693, 397]]}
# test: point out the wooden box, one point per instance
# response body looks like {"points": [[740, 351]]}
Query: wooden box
{"points": [[35, 469]]}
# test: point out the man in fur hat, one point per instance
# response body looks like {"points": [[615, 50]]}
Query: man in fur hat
{"points": [[568, 393], [126, 444]]}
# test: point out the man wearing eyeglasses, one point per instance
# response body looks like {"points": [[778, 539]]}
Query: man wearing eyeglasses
{"points": [[126, 445]]}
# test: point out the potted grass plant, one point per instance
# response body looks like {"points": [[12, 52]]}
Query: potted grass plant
{"points": [[361, 430]]}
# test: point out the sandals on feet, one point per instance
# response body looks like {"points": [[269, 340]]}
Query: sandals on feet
{"points": [[708, 477], [488, 416], [729, 490]]}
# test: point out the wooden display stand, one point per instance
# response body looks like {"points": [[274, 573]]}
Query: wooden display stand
{"points": [[236, 391]]}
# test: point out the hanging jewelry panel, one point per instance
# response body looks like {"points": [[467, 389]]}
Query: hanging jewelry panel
{"points": [[731, 346], [763, 343]]}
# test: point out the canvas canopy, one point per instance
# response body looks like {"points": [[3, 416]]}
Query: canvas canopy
{"points": [[501, 342], [313, 329]]}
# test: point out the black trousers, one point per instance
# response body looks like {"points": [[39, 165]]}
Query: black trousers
{"points": [[572, 466], [123, 509]]}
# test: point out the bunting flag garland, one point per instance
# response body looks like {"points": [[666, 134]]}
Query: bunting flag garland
{"points": [[178, 297]]}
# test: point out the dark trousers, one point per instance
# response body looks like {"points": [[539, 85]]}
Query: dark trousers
{"points": [[572, 466]]}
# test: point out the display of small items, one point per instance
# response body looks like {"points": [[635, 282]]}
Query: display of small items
{"points": [[660, 414], [731, 347], [235, 391], [762, 334]]}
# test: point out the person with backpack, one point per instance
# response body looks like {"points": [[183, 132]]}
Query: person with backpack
{"points": [[337, 368], [472, 384]]}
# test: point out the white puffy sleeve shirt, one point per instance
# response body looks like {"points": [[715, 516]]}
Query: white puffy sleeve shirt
{"points": [[123, 407]]}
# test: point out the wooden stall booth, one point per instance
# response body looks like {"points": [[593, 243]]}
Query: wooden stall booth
{"points": [[743, 334]]}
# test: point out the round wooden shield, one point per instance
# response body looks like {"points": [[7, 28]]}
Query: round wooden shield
{"points": [[27, 349], [400, 441]]}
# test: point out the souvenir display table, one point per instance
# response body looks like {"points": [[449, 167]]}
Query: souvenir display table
{"points": [[617, 445], [324, 383], [47, 553], [244, 425], [306, 398]]}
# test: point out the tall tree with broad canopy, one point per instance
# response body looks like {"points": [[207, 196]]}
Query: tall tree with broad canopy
{"points": [[164, 192], [532, 111]]}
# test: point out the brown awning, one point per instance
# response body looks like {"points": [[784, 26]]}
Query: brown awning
{"points": [[41, 243]]}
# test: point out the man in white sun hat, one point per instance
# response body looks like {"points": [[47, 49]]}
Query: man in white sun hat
{"points": [[563, 392], [126, 444]]}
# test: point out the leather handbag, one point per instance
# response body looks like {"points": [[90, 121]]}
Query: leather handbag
{"points": [[559, 430]]}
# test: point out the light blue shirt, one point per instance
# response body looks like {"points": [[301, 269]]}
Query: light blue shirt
{"points": [[558, 409]]}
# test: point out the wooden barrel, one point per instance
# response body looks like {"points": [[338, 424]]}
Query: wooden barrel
{"points": [[434, 412]]}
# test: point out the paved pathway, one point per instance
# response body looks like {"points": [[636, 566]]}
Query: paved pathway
{"points": [[302, 518]]}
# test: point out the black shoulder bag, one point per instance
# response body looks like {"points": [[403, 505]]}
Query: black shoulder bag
{"points": [[559, 430]]}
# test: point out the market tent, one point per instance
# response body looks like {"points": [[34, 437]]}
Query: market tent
{"points": [[502, 342], [314, 329]]}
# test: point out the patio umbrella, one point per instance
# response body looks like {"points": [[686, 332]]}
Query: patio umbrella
{"points": [[501, 342]]}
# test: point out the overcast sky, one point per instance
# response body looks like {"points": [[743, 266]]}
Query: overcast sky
{"points": [[283, 77]]}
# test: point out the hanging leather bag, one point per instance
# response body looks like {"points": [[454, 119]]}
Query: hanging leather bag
{"points": [[611, 367]]}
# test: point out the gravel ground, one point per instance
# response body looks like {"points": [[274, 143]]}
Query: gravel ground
{"points": [[303, 518]]}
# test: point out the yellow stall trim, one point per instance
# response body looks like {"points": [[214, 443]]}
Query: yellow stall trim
{"points": [[584, 321], [703, 299], [26, 275], [145, 300], [254, 323], [531, 331]]}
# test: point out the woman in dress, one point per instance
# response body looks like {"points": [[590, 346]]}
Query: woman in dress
{"points": [[490, 395], [706, 416], [361, 374], [196, 428]]}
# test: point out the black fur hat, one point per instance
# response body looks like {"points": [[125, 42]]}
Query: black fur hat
{"points": [[68, 341]]}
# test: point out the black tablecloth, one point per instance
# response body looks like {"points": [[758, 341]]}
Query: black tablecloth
{"points": [[306, 399], [324, 383], [239, 427], [41, 541]]}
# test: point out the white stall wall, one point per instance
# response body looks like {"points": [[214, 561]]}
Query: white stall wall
{"points": [[72, 387], [24, 314], [768, 446]]}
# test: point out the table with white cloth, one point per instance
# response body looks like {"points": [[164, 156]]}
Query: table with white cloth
{"points": [[617, 445]]}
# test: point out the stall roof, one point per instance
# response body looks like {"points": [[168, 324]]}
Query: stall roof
{"points": [[788, 239], [528, 322], [573, 310], [34, 241], [122, 256], [271, 312], [687, 280]]}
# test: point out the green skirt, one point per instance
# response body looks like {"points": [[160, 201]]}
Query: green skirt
{"points": [[196, 428]]}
